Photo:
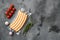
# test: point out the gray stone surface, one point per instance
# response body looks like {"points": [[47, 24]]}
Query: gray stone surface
{"points": [[50, 9]]}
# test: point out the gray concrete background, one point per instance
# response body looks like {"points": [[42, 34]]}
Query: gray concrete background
{"points": [[48, 8]]}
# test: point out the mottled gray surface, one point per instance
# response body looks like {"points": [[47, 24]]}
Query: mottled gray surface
{"points": [[50, 9]]}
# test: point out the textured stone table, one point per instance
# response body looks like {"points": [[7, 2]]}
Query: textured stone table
{"points": [[50, 9]]}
